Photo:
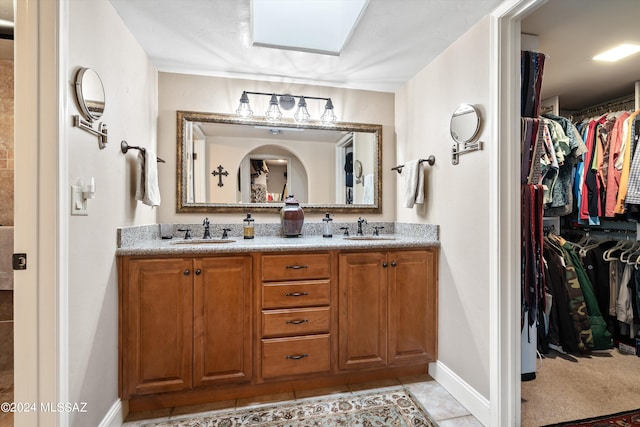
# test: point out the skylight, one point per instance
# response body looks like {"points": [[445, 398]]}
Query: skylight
{"points": [[618, 52], [319, 26]]}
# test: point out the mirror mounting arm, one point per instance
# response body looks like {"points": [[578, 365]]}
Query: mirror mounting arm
{"points": [[101, 132], [467, 147]]}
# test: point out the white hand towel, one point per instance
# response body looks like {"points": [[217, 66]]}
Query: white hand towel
{"points": [[413, 183], [147, 189], [367, 194]]}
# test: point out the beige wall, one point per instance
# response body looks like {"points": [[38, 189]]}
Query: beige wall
{"points": [[457, 197], [221, 95], [98, 39]]}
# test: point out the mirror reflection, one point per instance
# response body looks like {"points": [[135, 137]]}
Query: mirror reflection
{"points": [[465, 123], [90, 94], [228, 164]]}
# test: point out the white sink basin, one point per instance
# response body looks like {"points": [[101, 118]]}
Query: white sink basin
{"points": [[202, 241], [369, 238]]}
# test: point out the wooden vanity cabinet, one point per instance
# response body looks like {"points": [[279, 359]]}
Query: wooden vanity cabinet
{"points": [[387, 306], [202, 328], [295, 314], [185, 322], [156, 311]]}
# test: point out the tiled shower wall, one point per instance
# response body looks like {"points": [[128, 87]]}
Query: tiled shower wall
{"points": [[6, 142], [6, 209]]}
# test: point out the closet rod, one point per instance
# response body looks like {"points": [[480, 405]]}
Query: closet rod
{"points": [[623, 103]]}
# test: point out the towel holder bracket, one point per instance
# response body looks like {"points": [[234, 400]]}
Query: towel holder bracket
{"points": [[467, 147], [124, 147], [431, 160]]}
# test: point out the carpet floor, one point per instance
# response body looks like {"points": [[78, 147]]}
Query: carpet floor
{"points": [[393, 407], [573, 388]]}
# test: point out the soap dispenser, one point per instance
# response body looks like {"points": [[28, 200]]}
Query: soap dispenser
{"points": [[248, 227], [327, 230]]}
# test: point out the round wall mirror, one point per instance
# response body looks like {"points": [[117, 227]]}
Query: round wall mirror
{"points": [[465, 123], [90, 93]]}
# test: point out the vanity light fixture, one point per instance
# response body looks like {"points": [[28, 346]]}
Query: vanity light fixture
{"points": [[286, 102]]}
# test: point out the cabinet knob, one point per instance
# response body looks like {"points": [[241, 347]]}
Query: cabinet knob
{"points": [[198, 272], [297, 322], [186, 272], [385, 265], [393, 264]]}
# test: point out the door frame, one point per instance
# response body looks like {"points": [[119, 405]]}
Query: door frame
{"points": [[41, 373], [504, 244]]}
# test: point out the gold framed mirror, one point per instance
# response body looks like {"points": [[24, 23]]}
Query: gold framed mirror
{"points": [[227, 164]]}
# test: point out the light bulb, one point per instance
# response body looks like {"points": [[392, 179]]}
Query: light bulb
{"points": [[273, 112], [302, 115], [244, 110], [328, 117]]}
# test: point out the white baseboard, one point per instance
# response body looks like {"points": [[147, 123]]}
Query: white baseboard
{"points": [[476, 403], [116, 414]]}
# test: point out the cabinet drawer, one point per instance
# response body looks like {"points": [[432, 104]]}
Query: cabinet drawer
{"points": [[303, 321], [296, 267], [293, 295], [293, 356]]}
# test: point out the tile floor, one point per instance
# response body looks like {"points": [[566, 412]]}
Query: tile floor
{"points": [[6, 395], [440, 405]]}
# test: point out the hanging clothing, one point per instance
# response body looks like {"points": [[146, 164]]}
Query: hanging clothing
{"points": [[614, 172], [626, 165], [531, 71]]}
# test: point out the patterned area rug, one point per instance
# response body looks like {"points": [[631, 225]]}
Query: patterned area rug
{"points": [[396, 408], [622, 419]]}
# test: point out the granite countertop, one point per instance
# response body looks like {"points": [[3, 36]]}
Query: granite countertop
{"points": [[270, 244], [134, 243]]}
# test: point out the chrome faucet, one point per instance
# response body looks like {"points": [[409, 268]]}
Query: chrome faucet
{"points": [[207, 233], [360, 221]]}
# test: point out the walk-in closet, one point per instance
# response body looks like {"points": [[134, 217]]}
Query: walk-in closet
{"points": [[580, 212]]}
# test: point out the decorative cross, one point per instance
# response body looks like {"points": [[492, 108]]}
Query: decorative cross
{"points": [[219, 174]]}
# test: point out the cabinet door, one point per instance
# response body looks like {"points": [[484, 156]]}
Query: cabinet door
{"points": [[412, 306], [158, 297], [222, 320], [362, 310]]}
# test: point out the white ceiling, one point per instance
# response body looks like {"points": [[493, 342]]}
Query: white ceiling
{"points": [[392, 42], [570, 33]]}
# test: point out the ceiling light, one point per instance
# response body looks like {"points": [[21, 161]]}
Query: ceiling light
{"points": [[618, 52], [286, 102], [319, 26]]}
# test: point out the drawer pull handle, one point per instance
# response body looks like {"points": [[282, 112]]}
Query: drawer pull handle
{"points": [[297, 322], [297, 357], [296, 267], [296, 294]]}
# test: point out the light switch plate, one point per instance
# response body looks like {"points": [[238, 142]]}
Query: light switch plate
{"points": [[78, 202]]}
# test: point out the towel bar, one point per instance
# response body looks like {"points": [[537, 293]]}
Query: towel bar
{"points": [[431, 160], [124, 147]]}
